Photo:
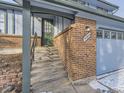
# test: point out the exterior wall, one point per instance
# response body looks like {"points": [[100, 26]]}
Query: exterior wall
{"points": [[79, 57], [11, 72], [109, 55], [13, 41], [110, 50], [102, 21]]}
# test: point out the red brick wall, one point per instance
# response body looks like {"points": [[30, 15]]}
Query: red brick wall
{"points": [[79, 57], [12, 41]]}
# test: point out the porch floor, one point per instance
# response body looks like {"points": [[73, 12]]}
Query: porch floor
{"points": [[49, 76]]}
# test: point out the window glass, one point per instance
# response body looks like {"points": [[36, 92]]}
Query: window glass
{"points": [[32, 25], [120, 35], [2, 21], [113, 35], [99, 34], [66, 22], [107, 34], [10, 22], [37, 25], [18, 23]]}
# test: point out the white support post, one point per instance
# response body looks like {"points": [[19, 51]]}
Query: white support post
{"points": [[26, 46]]}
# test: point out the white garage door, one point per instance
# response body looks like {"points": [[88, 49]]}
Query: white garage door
{"points": [[110, 51]]}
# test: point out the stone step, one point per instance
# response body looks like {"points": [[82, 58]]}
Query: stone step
{"points": [[42, 61], [46, 78], [49, 67], [49, 63], [46, 72], [39, 69], [58, 83], [41, 64], [66, 89], [53, 52], [51, 74], [52, 48], [54, 56]]}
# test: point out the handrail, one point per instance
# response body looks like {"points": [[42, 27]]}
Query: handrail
{"points": [[34, 43]]}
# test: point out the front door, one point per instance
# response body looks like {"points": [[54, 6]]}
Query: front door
{"points": [[47, 32]]}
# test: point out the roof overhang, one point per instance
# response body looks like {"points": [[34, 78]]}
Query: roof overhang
{"points": [[80, 7], [20, 2], [7, 5], [67, 4], [108, 3], [103, 4]]}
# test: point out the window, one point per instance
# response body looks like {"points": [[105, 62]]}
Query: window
{"points": [[113, 35], [99, 34], [2, 21], [120, 35], [107, 34]]}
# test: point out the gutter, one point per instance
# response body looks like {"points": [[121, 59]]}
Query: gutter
{"points": [[77, 6]]}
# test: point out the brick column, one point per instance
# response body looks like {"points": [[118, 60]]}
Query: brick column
{"points": [[79, 55]]}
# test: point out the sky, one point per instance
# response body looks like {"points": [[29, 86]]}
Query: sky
{"points": [[120, 3]]}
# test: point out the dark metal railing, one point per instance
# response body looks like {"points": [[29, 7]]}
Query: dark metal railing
{"points": [[34, 43]]}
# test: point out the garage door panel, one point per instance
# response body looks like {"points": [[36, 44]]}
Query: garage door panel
{"points": [[110, 55]]}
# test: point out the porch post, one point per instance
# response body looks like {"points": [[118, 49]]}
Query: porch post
{"points": [[26, 46]]}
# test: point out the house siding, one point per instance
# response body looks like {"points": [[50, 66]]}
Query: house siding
{"points": [[79, 57]]}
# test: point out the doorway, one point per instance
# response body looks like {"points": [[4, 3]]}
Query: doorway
{"points": [[47, 32]]}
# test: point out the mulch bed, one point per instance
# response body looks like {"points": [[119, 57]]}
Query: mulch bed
{"points": [[9, 63]]}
